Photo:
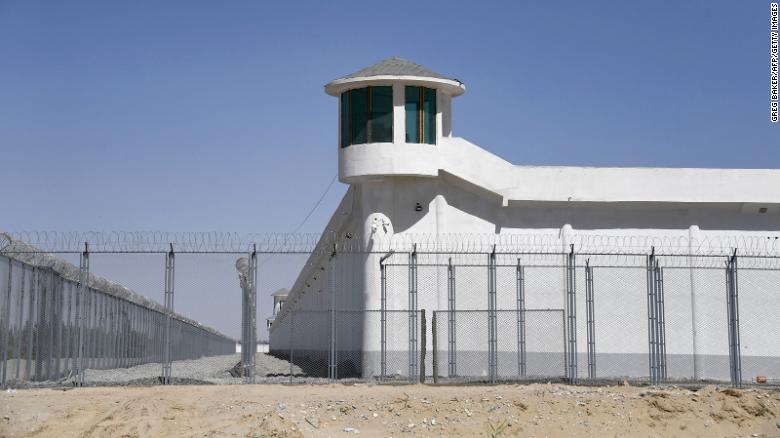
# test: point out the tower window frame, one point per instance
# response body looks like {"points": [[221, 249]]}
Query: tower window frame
{"points": [[420, 112], [367, 115]]}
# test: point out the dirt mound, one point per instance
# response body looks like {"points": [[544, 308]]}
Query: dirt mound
{"points": [[375, 410]]}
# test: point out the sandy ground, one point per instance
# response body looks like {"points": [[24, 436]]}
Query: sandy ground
{"points": [[338, 410]]}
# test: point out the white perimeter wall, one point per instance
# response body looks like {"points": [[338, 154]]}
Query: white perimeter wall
{"points": [[383, 211]]}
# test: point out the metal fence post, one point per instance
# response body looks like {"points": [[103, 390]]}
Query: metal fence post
{"points": [[248, 280], [590, 323], [4, 339], [492, 324], [81, 313], [732, 308], [120, 335], [521, 356], [434, 341], [452, 346], [661, 320], [51, 324], [651, 322], [125, 336], [58, 325], [250, 375], [656, 320], [30, 325], [423, 344], [413, 364], [383, 314], [52, 328], [333, 358], [19, 327], [383, 321], [41, 372], [571, 314], [170, 271]]}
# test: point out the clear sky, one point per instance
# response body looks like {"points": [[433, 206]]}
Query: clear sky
{"points": [[188, 115]]}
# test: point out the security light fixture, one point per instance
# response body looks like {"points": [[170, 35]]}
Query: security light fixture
{"points": [[417, 207], [242, 266]]}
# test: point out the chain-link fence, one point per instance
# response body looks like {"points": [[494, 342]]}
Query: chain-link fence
{"points": [[599, 318], [523, 345], [62, 327], [400, 315], [370, 345]]}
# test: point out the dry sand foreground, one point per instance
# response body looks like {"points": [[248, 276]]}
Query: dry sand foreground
{"points": [[336, 410]]}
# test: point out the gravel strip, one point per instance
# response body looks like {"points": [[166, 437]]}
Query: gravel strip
{"points": [[215, 369]]}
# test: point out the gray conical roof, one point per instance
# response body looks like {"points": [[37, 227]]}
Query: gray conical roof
{"points": [[395, 67]]}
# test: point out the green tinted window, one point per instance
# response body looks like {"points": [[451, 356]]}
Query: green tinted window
{"points": [[381, 125], [359, 109], [367, 115], [420, 108], [412, 110]]}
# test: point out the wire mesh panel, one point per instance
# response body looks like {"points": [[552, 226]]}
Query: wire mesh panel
{"points": [[397, 281], [545, 283], [342, 345], [124, 341], [544, 348], [621, 322], [207, 289], [759, 325], [679, 323], [302, 339], [710, 322], [395, 351]]}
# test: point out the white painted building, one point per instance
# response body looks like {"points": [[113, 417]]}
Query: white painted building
{"points": [[413, 181]]}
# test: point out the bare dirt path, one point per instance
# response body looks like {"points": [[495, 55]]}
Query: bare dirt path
{"points": [[337, 410]]}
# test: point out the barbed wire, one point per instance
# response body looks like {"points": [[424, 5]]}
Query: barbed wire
{"points": [[271, 243]]}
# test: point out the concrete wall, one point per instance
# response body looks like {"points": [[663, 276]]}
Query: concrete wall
{"points": [[383, 212]]}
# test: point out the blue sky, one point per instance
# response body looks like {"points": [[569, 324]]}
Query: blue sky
{"points": [[211, 116]]}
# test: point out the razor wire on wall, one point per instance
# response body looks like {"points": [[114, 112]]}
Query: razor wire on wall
{"points": [[749, 244]]}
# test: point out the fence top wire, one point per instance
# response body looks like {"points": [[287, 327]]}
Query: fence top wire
{"points": [[757, 244], [34, 257]]}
